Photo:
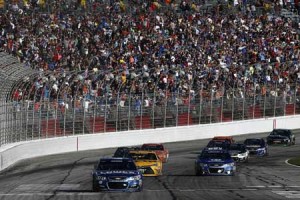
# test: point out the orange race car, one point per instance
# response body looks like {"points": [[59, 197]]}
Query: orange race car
{"points": [[159, 149]]}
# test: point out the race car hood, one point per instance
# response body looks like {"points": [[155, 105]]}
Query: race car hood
{"points": [[232, 152], [277, 137], [215, 161], [253, 146], [159, 152], [145, 163], [116, 173]]}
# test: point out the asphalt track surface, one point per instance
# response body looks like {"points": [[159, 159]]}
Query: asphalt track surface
{"points": [[68, 176]]}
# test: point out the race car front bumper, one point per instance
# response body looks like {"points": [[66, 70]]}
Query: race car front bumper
{"points": [[216, 169]]}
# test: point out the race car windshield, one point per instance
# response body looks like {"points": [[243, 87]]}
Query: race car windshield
{"points": [[111, 165], [146, 156], [253, 142], [237, 148], [209, 155], [152, 147], [280, 132], [217, 144]]}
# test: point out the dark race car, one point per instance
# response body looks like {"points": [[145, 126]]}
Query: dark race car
{"points": [[214, 161], [238, 152], [123, 152], [256, 146], [281, 136], [117, 174]]}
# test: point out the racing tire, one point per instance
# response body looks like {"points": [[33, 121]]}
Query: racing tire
{"points": [[247, 160], [95, 187], [267, 153], [140, 189], [198, 173], [167, 158]]}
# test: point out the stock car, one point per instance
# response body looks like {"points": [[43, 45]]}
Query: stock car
{"points": [[214, 161], [147, 162], [123, 152], [281, 136], [256, 146], [117, 174], [238, 152], [159, 149], [228, 139]]}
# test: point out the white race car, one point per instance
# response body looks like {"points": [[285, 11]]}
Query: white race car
{"points": [[238, 152]]}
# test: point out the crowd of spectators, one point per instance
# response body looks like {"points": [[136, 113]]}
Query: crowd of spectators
{"points": [[163, 47]]}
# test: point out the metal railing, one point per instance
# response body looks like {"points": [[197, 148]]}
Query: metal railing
{"points": [[29, 120]]}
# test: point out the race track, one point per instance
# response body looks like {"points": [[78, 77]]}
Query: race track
{"points": [[68, 176]]}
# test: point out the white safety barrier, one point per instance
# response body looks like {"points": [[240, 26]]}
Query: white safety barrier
{"points": [[12, 153]]}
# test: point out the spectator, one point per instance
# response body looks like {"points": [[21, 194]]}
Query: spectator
{"points": [[136, 48]]}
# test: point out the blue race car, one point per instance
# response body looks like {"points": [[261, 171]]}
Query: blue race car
{"points": [[214, 161], [256, 146], [117, 174]]}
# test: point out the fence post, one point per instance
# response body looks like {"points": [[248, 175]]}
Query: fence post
{"points": [[105, 113], [244, 99], [94, 114], [189, 105], [65, 115], [201, 102], [129, 111], [27, 116], [85, 106], [153, 107], [177, 106], [265, 99], [117, 107], [211, 101], [275, 99], [47, 118], [141, 110], [232, 110], [295, 99], [74, 113], [165, 110], [254, 102]]}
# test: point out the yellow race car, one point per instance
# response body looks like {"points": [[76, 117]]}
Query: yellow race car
{"points": [[147, 162]]}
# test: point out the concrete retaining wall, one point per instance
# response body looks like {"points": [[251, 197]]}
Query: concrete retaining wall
{"points": [[12, 153]]}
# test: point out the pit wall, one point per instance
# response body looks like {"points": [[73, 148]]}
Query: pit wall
{"points": [[12, 153]]}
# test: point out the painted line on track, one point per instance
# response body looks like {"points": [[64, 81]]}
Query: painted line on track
{"points": [[275, 186], [288, 194], [272, 186], [286, 162], [256, 186]]}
